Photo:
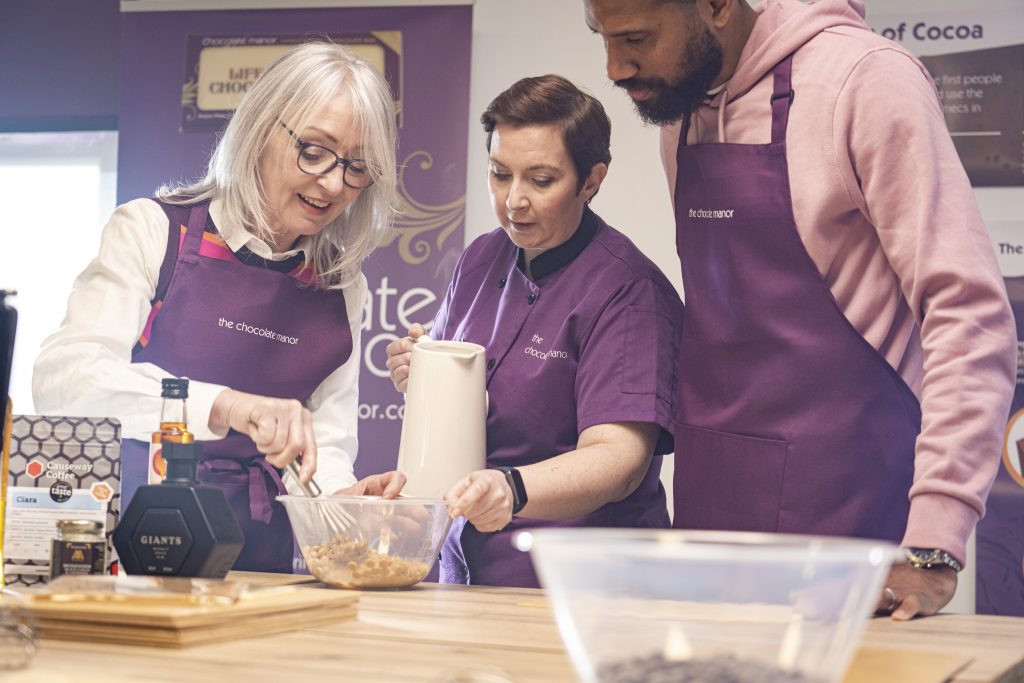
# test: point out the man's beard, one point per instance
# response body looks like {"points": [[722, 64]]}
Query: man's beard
{"points": [[671, 101]]}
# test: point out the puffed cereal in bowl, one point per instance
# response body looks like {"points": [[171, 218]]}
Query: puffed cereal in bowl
{"points": [[367, 541]]}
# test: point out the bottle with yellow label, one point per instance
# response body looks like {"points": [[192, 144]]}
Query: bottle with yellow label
{"points": [[173, 425]]}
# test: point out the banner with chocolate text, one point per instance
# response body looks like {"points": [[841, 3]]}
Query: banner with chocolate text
{"points": [[183, 72]]}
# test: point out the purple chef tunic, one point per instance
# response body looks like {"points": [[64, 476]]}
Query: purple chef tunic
{"points": [[286, 337], [592, 340], [789, 420]]}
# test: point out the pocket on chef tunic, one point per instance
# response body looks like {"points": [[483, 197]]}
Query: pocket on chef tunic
{"points": [[728, 481]]}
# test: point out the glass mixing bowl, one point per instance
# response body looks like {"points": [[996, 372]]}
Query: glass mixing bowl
{"points": [[640, 605], [367, 541]]}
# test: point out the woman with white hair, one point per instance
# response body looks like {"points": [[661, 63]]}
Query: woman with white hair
{"points": [[247, 282]]}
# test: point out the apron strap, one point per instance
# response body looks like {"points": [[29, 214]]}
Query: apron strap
{"points": [[194, 235], [263, 483], [782, 98]]}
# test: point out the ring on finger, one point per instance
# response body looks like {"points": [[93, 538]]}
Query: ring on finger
{"points": [[893, 601]]}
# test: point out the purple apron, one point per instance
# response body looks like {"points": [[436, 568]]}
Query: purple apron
{"points": [[789, 421], [233, 320]]}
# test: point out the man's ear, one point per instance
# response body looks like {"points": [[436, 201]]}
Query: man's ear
{"points": [[718, 13]]}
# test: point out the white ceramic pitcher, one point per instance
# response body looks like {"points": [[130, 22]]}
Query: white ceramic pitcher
{"points": [[444, 430]]}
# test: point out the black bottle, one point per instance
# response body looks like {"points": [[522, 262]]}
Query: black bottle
{"points": [[179, 527]]}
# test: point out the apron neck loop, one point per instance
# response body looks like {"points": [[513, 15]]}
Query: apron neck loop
{"points": [[194, 235], [782, 98]]}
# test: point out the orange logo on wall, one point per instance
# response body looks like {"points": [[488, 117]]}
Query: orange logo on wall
{"points": [[34, 469]]}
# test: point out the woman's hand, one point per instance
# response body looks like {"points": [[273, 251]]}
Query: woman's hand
{"points": [[483, 498], [385, 485], [281, 428], [403, 519], [400, 354]]}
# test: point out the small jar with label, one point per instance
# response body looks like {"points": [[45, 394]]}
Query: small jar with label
{"points": [[80, 548]]}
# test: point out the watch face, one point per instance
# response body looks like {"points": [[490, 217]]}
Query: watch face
{"points": [[926, 558], [923, 556]]}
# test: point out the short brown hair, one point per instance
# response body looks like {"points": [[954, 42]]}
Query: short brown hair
{"points": [[586, 128]]}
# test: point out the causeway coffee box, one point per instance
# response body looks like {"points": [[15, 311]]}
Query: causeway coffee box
{"points": [[60, 468]]}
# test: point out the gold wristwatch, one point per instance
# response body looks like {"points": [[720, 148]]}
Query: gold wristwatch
{"points": [[929, 558]]}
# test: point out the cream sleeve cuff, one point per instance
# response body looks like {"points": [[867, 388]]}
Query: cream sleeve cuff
{"points": [[201, 396]]}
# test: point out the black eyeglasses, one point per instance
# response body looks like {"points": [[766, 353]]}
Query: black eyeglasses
{"points": [[318, 160]]}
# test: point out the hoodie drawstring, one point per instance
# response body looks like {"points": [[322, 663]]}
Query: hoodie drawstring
{"points": [[721, 115]]}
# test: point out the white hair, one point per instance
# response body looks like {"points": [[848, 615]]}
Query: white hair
{"points": [[293, 89]]}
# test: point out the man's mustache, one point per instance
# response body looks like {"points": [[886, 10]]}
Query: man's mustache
{"points": [[644, 83]]}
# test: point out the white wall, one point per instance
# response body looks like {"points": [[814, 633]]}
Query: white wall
{"points": [[59, 190]]}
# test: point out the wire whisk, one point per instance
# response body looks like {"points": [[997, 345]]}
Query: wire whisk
{"points": [[334, 519]]}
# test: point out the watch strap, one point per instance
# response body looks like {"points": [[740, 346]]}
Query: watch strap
{"points": [[930, 558], [515, 482]]}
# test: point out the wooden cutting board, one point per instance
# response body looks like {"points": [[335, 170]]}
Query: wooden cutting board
{"points": [[260, 612], [268, 579], [871, 665]]}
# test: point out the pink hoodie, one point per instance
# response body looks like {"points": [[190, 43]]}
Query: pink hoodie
{"points": [[885, 210]]}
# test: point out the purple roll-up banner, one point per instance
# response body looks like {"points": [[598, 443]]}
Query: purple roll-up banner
{"points": [[180, 71]]}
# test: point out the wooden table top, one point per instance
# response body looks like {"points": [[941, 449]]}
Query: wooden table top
{"points": [[434, 634]]}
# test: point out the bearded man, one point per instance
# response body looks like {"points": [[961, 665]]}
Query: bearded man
{"points": [[848, 352]]}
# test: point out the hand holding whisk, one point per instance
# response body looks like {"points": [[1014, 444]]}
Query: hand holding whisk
{"points": [[332, 518]]}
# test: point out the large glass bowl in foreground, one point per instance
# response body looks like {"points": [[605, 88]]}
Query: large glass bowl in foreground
{"points": [[366, 541], [643, 605]]}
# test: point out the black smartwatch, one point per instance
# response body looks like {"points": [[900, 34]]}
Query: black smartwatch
{"points": [[515, 482]]}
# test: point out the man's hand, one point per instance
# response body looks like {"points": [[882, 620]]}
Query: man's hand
{"points": [[911, 592]]}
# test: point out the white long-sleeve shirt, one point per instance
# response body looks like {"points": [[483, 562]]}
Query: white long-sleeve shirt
{"points": [[86, 369]]}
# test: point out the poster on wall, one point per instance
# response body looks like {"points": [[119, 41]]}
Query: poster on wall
{"points": [[975, 57], [220, 69], [186, 70], [1000, 534]]}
